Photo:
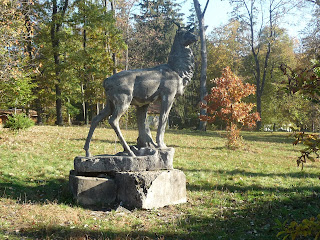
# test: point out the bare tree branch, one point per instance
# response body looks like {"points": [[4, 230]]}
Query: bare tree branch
{"points": [[205, 8]]}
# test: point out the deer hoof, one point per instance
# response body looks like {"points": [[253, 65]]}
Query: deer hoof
{"points": [[131, 154]]}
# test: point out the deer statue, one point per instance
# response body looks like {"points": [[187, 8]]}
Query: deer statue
{"points": [[141, 87]]}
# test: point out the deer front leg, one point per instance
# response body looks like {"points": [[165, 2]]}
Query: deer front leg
{"points": [[166, 105], [145, 138]]}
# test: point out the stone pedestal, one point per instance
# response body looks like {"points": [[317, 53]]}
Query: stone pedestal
{"points": [[93, 191], [151, 189], [145, 182]]}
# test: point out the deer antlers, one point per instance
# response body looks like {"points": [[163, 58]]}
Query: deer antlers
{"points": [[187, 27]]}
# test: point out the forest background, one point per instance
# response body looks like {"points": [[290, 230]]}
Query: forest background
{"points": [[54, 55]]}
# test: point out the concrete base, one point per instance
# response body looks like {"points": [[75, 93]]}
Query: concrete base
{"points": [[144, 189]]}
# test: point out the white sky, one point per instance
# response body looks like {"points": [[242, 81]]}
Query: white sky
{"points": [[218, 13]]}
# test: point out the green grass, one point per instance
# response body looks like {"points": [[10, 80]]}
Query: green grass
{"points": [[231, 194]]}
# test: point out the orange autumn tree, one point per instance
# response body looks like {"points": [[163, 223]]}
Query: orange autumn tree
{"points": [[225, 102]]}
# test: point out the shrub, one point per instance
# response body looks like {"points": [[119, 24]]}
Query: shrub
{"points": [[306, 229], [18, 121], [225, 101]]}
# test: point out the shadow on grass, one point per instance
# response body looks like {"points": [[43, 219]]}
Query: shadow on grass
{"points": [[250, 221], [37, 191], [298, 174], [268, 137], [59, 232], [254, 220], [271, 137], [238, 187]]}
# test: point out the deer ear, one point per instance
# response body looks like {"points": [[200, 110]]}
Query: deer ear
{"points": [[189, 26]]}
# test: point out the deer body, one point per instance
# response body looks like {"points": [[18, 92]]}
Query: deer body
{"points": [[143, 86]]}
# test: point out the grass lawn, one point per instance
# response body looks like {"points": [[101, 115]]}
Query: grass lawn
{"points": [[231, 194]]}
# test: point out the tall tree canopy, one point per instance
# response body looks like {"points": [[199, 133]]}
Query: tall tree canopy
{"points": [[259, 21], [77, 40], [153, 32], [15, 53]]}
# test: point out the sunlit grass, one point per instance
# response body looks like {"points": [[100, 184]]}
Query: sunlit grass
{"points": [[231, 194]]}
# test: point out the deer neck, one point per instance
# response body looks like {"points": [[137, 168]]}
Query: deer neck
{"points": [[181, 60]]}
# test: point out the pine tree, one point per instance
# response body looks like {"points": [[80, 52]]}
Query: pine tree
{"points": [[154, 32]]}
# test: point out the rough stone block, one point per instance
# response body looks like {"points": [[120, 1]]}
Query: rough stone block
{"points": [[92, 191], [146, 159], [151, 189]]}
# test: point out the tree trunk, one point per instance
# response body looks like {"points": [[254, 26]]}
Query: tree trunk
{"points": [[85, 76], [55, 41], [83, 103], [69, 116], [204, 61], [98, 108], [127, 58], [59, 106], [255, 50], [259, 123], [114, 58], [39, 110], [86, 113]]}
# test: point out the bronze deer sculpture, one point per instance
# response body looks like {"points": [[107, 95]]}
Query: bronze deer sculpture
{"points": [[141, 87]]}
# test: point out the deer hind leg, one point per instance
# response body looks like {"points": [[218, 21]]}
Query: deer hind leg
{"points": [[145, 138], [119, 110], [106, 112], [166, 105]]}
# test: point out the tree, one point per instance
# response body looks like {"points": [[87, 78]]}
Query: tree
{"points": [[272, 111], [15, 67], [260, 33], [94, 28], [123, 20], [58, 15], [153, 33], [204, 60], [225, 102], [224, 49], [311, 41], [87, 38]]}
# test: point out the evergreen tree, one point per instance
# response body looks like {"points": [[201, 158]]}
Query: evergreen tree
{"points": [[154, 32]]}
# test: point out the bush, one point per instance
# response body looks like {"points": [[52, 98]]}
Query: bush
{"points": [[308, 228], [225, 102], [18, 121]]}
